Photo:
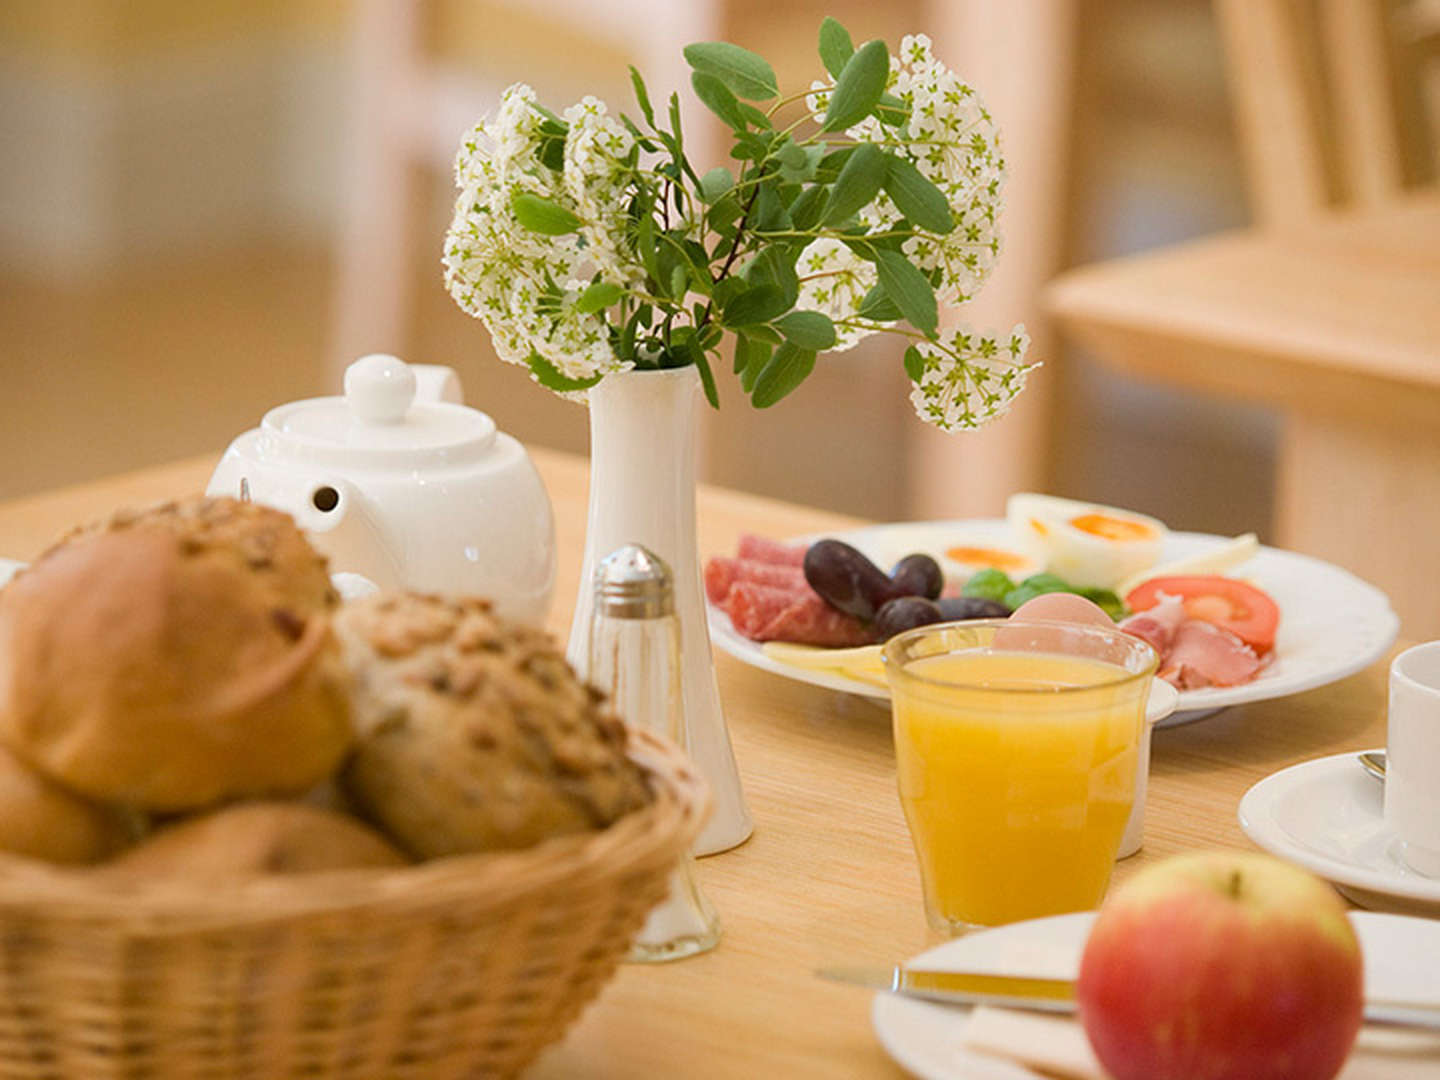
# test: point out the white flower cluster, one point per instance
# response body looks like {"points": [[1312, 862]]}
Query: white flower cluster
{"points": [[522, 284], [968, 380], [953, 141]]}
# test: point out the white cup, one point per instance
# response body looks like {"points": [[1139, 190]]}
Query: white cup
{"points": [[1412, 757]]}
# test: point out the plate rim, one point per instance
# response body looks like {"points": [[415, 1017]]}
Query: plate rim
{"points": [[1194, 704], [1260, 799]]}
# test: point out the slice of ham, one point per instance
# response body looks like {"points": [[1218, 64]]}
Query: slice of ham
{"points": [[1157, 625], [722, 574], [1203, 654], [768, 613], [763, 549]]}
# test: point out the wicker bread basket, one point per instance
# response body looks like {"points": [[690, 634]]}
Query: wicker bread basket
{"points": [[464, 966]]}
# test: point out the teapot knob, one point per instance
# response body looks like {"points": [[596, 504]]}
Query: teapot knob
{"points": [[379, 389]]}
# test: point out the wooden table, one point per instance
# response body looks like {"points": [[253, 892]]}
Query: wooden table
{"points": [[1335, 323], [829, 875]]}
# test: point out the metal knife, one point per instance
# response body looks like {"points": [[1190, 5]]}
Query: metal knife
{"points": [[1057, 995]]}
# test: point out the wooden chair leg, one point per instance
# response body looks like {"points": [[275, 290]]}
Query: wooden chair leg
{"points": [[1365, 494], [373, 269]]}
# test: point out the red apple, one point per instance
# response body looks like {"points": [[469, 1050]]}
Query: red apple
{"points": [[1222, 966]]}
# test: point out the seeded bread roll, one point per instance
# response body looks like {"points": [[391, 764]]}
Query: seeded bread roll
{"points": [[249, 839], [175, 658], [473, 733], [43, 820]]}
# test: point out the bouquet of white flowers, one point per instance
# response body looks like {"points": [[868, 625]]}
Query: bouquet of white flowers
{"points": [[588, 244]]}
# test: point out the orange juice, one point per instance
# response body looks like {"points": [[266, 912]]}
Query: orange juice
{"points": [[1016, 774]]}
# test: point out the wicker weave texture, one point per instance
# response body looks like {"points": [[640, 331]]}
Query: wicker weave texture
{"points": [[464, 967]]}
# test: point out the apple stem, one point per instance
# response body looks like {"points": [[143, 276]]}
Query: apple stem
{"points": [[1234, 885]]}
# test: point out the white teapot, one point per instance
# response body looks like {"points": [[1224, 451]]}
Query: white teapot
{"points": [[404, 488]]}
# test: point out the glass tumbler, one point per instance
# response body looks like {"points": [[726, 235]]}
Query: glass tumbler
{"points": [[1016, 751]]}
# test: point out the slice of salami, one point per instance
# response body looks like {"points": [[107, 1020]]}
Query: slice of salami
{"points": [[766, 613], [721, 574], [763, 549]]}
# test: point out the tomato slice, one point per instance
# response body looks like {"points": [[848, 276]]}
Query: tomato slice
{"points": [[1232, 605]]}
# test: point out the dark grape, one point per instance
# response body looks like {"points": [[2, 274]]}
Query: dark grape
{"points": [[954, 608], [917, 575], [846, 578], [905, 613]]}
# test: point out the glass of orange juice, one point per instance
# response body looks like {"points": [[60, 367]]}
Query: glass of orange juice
{"points": [[1016, 750]]}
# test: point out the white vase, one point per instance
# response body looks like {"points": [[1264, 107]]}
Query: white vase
{"points": [[642, 491]]}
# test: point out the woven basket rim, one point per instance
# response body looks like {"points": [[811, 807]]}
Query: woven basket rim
{"points": [[658, 833]]}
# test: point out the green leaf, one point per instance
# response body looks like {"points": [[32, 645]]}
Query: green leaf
{"points": [[679, 280], [642, 97], [722, 216], [750, 147], [878, 306], [892, 110], [707, 377], [858, 87], [678, 147], [807, 329], [776, 266], [645, 245], [835, 46], [543, 216], [756, 356], [765, 333], [727, 289], [715, 183], [769, 212], [716, 97], [916, 196], [792, 155], [549, 376], [914, 364], [743, 345], [552, 153], [755, 116], [598, 296], [859, 182], [909, 288], [805, 211], [786, 370], [758, 304], [802, 169], [739, 69]]}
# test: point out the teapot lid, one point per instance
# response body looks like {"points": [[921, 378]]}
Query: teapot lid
{"points": [[377, 422]]}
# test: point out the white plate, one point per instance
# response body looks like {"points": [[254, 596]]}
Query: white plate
{"points": [[8, 569], [1332, 624], [1327, 815], [1401, 957]]}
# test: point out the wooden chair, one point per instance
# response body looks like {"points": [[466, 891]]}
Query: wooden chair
{"points": [[1328, 310]]}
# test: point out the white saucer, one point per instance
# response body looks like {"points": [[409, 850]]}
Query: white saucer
{"points": [[1327, 815], [1401, 955]]}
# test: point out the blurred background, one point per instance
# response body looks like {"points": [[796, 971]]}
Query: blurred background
{"points": [[206, 209]]}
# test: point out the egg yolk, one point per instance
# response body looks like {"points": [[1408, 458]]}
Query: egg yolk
{"points": [[1112, 528], [992, 557]]}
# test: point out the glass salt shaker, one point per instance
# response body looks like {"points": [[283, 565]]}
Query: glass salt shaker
{"points": [[635, 659]]}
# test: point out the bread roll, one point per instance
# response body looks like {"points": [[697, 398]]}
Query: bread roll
{"points": [[249, 839], [175, 660], [43, 820], [473, 734]]}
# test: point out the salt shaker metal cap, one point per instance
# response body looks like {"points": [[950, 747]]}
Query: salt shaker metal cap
{"points": [[633, 582]]}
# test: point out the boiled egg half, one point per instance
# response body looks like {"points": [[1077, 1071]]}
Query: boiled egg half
{"points": [[1087, 544]]}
